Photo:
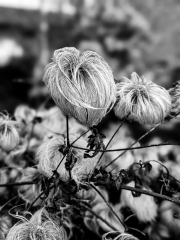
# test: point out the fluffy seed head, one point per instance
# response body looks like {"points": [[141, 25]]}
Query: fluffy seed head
{"points": [[82, 85], [142, 100], [9, 136], [40, 227], [49, 157]]}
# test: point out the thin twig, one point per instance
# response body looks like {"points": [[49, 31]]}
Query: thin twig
{"points": [[132, 145], [98, 216], [41, 194], [124, 225], [68, 143], [133, 148], [150, 193], [109, 143], [79, 137]]}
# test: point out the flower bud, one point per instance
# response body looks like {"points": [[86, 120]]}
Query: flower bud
{"points": [[82, 85]]}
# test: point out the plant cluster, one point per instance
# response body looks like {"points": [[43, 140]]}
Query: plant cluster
{"points": [[60, 175]]}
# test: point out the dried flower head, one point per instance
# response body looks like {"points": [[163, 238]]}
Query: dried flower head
{"points": [[49, 157], [40, 227], [143, 206], [82, 85], [9, 136], [175, 98], [142, 100]]}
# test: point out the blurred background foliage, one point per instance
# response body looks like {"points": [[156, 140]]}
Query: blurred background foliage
{"points": [[132, 35]]}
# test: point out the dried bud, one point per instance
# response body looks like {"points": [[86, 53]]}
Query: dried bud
{"points": [[9, 136], [142, 100], [82, 85]]}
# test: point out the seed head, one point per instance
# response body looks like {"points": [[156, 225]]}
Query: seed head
{"points": [[142, 100], [49, 157], [82, 85], [40, 227]]}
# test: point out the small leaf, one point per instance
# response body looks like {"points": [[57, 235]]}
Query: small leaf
{"points": [[95, 142]]}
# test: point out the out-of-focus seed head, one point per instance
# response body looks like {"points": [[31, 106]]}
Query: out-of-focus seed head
{"points": [[9, 136]]}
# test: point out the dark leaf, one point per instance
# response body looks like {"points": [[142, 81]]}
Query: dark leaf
{"points": [[63, 149], [95, 142]]}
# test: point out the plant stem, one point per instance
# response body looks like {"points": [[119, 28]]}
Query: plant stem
{"points": [[120, 155], [150, 193], [99, 217], [133, 148], [68, 143], [79, 137], [124, 225], [109, 142]]}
